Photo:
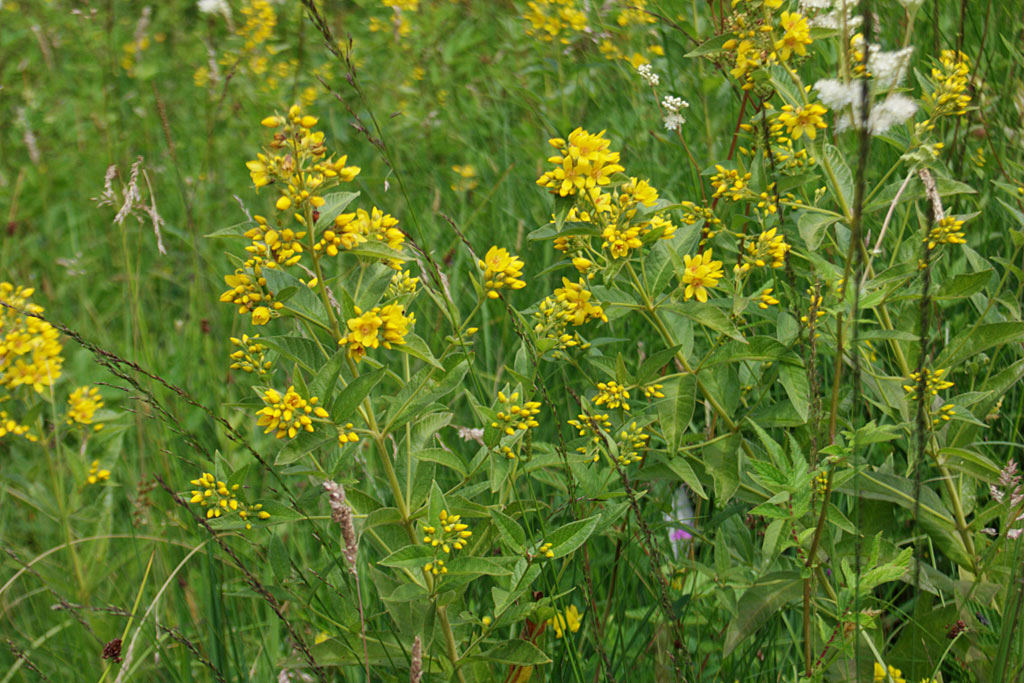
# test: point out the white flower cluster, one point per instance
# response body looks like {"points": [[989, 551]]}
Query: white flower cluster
{"points": [[647, 73], [672, 105], [214, 7], [887, 68], [824, 14], [892, 111]]}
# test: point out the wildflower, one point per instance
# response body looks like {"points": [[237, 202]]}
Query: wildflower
{"points": [[218, 499], [884, 674], [395, 324], [569, 620], [346, 435], [579, 309], [247, 292], [821, 483], [501, 269], [8, 425], [467, 178], [611, 394], [949, 97], [700, 274], [554, 19], [401, 283], [647, 73], [769, 248], [366, 330], [250, 356], [797, 35], [932, 380], [653, 391], [805, 119], [214, 7], [636, 192], [288, 414], [619, 242], [449, 534], [674, 119], [632, 441], [583, 162], [96, 475], [729, 183], [946, 231], [30, 348], [767, 299], [552, 317], [83, 404], [283, 247], [515, 416], [544, 550]]}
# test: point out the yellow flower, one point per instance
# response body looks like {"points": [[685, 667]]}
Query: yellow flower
{"points": [[366, 330], [769, 248], [501, 269], [288, 414], [611, 394], [569, 620], [882, 674], [96, 475], [515, 415], [30, 348], [449, 534], [363, 328], [797, 35], [767, 299], [619, 242], [803, 119], [933, 383], [218, 499], [583, 162], [395, 324], [579, 309], [729, 183], [700, 274], [946, 231], [83, 404]]}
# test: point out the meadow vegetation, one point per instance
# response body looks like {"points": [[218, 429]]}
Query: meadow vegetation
{"points": [[566, 340]]}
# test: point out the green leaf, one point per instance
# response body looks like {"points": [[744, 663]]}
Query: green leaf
{"points": [[443, 457], [684, 471], [843, 186], [305, 352], [794, 381], [709, 316], [981, 338], [417, 348], [277, 555], [351, 396], [518, 652], [322, 385], [509, 530], [712, 46], [409, 556], [334, 204], [756, 349], [686, 399], [759, 603], [302, 445], [654, 363], [964, 285], [812, 225], [376, 250], [236, 230], [476, 566], [550, 231], [566, 539]]}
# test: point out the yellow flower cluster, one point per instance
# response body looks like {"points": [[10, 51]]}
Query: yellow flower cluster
{"points": [[729, 183], [379, 326], [796, 35], [450, 534], [803, 120], [946, 231], [633, 439], [289, 413], [273, 246], [933, 383], [218, 499], [592, 425], [30, 348], [249, 292], [883, 674], [401, 284], [554, 20], [466, 178], [8, 425], [96, 474], [552, 317], [501, 270], [611, 394], [569, 620], [250, 356], [770, 248], [583, 162], [635, 13], [766, 299], [514, 415], [950, 78], [700, 274], [82, 406], [578, 307]]}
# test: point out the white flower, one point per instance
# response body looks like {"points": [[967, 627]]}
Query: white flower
{"points": [[214, 7], [674, 121], [648, 74], [674, 104], [815, 4], [836, 94], [888, 69], [894, 110], [834, 20]]}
